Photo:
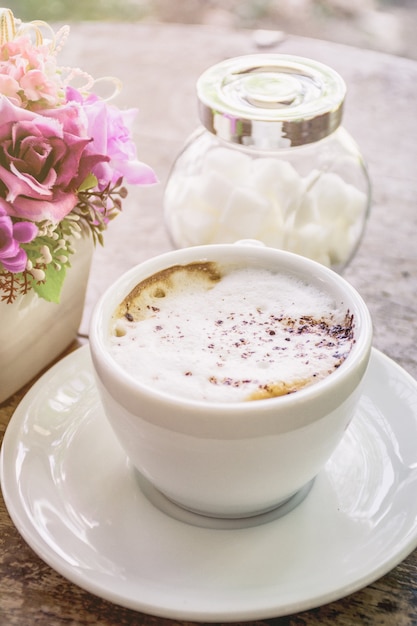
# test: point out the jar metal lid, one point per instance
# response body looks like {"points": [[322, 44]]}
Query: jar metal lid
{"points": [[271, 100]]}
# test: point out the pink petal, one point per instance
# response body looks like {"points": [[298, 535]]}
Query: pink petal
{"points": [[135, 172], [17, 263], [17, 185], [37, 210], [23, 232]]}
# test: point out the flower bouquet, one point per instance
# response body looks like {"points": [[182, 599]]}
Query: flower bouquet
{"points": [[65, 155]]}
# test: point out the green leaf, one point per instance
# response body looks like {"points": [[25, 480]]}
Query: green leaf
{"points": [[88, 183], [50, 290]]}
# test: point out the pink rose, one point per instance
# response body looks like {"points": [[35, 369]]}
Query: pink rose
{"points": [[43, 161], [110, 129]]}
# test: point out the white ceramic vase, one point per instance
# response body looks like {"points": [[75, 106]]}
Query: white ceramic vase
{"points": [[33, 332]]}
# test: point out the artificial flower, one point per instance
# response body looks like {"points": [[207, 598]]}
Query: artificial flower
{"points": [[30, 74], [65, 155], [41, 164], [110, 129], [12, 256]]}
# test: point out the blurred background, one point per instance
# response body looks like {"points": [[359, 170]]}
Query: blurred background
{"points": [[383, 25]]}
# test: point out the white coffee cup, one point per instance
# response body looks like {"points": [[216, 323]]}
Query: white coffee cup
{"points": [[234, 459]]}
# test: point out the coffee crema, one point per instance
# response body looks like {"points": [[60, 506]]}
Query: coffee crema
{"points": [[223, 334]]}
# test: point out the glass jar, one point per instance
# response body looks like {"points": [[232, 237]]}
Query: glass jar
{"points": [[271, 162]]}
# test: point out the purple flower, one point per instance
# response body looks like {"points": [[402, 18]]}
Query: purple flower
{"points": [[110, 131], [12, 256]]}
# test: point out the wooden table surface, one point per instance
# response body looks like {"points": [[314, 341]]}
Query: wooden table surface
{"points": [[159, 65]]}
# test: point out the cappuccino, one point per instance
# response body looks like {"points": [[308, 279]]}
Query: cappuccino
{"points": [[224, 334]]}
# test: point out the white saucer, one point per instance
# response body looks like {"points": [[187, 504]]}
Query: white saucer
{"points": [[77, 502]]}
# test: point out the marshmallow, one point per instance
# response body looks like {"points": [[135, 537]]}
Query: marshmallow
{"points": [[278, 181], [334, 198], [192, 221], [215, 189], [244, 214], [310, 240], [232, 164], [237, 196]]}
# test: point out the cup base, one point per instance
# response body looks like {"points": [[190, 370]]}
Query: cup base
{"points": [[182, 514]]}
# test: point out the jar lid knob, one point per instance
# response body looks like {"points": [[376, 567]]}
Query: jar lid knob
{"points": [[271, 100]]}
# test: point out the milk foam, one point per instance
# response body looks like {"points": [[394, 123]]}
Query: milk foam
{"points": [[248, 334]]}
